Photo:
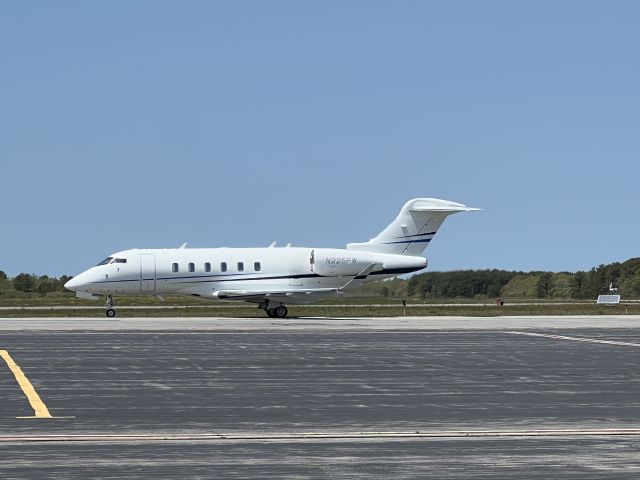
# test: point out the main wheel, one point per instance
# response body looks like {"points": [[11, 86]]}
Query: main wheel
{"points": [[111, 313], [269, 313], [280, 312]]}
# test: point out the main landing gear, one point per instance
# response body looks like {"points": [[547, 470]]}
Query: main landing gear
{"points": [[110, 310], [275, 312]]}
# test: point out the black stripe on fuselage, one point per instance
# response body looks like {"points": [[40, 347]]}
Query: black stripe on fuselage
{"points": [[386, 271], [312, 275], [396, 271], [198, 278]]}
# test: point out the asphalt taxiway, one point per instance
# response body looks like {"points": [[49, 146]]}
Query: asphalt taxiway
{"points": [[410, 397]]}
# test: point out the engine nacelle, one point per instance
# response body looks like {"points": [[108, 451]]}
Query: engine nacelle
{"points": [[340, 262]]}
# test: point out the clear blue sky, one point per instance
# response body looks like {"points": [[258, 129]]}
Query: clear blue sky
{"points": [[148, 124]]}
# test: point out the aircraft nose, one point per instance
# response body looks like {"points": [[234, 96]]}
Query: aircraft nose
{"points": [[71, 285]]}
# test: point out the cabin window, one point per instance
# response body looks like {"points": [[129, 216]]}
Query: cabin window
{"points": [[223, 267], [256, 266], [174, 267], [105, 261], [192, 267], [240, 267], [207, 267]]}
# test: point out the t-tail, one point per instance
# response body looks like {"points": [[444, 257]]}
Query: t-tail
{"points": [[413, 228]]}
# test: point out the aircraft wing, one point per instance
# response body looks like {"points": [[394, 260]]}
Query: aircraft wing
{"points": [[243, 294], [297, 294]]}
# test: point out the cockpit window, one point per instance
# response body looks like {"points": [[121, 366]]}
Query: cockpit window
{"points": [[105, 261], [120, 260]]}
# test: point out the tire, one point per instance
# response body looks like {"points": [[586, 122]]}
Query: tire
{"points": [[269, 313], [280, 312], [111, 313]]}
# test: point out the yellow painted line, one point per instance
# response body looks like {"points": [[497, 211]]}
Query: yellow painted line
{"points": [[39, 408]]}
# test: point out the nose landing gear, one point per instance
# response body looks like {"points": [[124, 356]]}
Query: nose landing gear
{"points": [[110, 310]]}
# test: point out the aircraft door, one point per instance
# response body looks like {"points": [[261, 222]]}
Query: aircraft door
{"points": [[299, 275], [147, 273]]}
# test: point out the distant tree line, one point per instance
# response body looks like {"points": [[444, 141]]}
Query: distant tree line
{"points": [[502, 283], [461, 283], [30, 283], [624, 276]]}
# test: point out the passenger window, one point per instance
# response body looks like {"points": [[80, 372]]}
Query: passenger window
{"points": [[174, 267], [207, 267], [192, 267], [256, 266], [223, 267], [240, 267]]}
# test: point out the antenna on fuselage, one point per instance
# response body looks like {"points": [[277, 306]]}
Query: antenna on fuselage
{"points": [[184, 245], [288, 245], [273, 244]]}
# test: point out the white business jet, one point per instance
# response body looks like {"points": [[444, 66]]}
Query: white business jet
{"points": [[270, 277]]}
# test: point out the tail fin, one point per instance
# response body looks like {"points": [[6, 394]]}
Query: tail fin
{"points": [[413, 229]]}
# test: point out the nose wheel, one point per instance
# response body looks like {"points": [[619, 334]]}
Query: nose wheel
{"points": [[110, 310]]}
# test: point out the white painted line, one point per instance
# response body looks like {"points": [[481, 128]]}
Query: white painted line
{"points": [[575, 339], [286, 437]]}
